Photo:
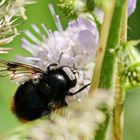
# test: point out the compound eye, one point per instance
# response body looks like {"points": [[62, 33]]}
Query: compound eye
{"points": [[70, 76]]}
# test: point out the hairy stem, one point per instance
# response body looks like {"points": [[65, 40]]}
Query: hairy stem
{"points": [[108, 68], [118, 112], [118, 117]]}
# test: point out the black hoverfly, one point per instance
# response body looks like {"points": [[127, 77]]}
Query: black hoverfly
{"points": [[43, 90]]}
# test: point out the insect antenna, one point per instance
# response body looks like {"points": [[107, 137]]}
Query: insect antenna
{"points": [[60, 57], [82, 88]]}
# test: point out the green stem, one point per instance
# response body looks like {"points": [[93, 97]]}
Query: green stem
{"points": [[118, 109], [118, 116], [108, 68], [108, 72], [102, 47]]}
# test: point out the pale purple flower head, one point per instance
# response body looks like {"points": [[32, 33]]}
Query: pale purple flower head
{"points": [[131, 6], [75, 46], [131, 9]]}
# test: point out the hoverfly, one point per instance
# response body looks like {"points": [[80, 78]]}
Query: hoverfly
{"points": [[42, 90]]}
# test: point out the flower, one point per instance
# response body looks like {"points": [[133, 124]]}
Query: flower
{"points": [[75, 46], [131, 9], [10, 12], [131, 6], [14, 8]]}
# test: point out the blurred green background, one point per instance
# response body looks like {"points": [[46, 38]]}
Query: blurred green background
{"points": [[39, 13]]}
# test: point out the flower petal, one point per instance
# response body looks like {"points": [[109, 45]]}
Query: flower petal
{"points": [[131, 6]]}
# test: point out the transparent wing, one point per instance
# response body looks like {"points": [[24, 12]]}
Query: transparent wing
{"points": [[19, 71]]}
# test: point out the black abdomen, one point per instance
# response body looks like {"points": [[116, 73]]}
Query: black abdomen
{"points": [[31, 99]]}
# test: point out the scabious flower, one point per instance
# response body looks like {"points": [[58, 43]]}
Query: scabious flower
{"points": [[131, 9], [10, 11], [131, 6], [75, 46]]}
